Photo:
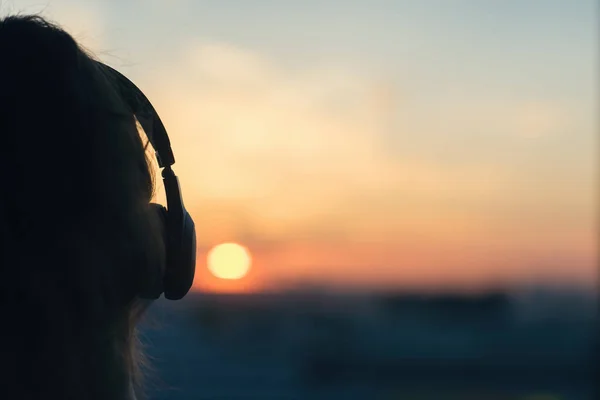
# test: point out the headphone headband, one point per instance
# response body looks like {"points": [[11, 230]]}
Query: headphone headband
{"points": [[146, 115]]}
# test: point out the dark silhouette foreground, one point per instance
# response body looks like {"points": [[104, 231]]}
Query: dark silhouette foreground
{"points": [[79, 241]]}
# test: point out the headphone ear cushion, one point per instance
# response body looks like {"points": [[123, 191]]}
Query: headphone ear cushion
{"points": [[160, 212], [151, 284], [182, 266]]}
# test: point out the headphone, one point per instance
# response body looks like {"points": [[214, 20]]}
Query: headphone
{"points": [[179, 232]]}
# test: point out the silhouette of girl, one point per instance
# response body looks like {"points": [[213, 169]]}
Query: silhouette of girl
{"points": [[76, 237]]}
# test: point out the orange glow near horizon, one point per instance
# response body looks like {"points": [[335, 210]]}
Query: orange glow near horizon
{"points": [[460, 266]]}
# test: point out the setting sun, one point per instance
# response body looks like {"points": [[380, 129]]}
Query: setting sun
{"points": [[229, 261]]}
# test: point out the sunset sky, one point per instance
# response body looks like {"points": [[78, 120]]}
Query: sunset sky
{"points": [[371, 143]]}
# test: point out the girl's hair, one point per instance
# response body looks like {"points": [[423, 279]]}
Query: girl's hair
{"points": [[76, 237]]}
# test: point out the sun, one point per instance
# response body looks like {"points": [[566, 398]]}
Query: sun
{"points": [[229, 261]]}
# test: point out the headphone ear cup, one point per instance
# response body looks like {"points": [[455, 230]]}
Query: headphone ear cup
{"points": [[151, 283]]}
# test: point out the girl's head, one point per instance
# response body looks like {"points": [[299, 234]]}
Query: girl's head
{"points": [[76, 234]]}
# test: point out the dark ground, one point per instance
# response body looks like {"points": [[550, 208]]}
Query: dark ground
{"points": [[304, 347]]}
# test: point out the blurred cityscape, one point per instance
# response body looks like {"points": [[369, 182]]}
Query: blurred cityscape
{"points": [[530, 344]]}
